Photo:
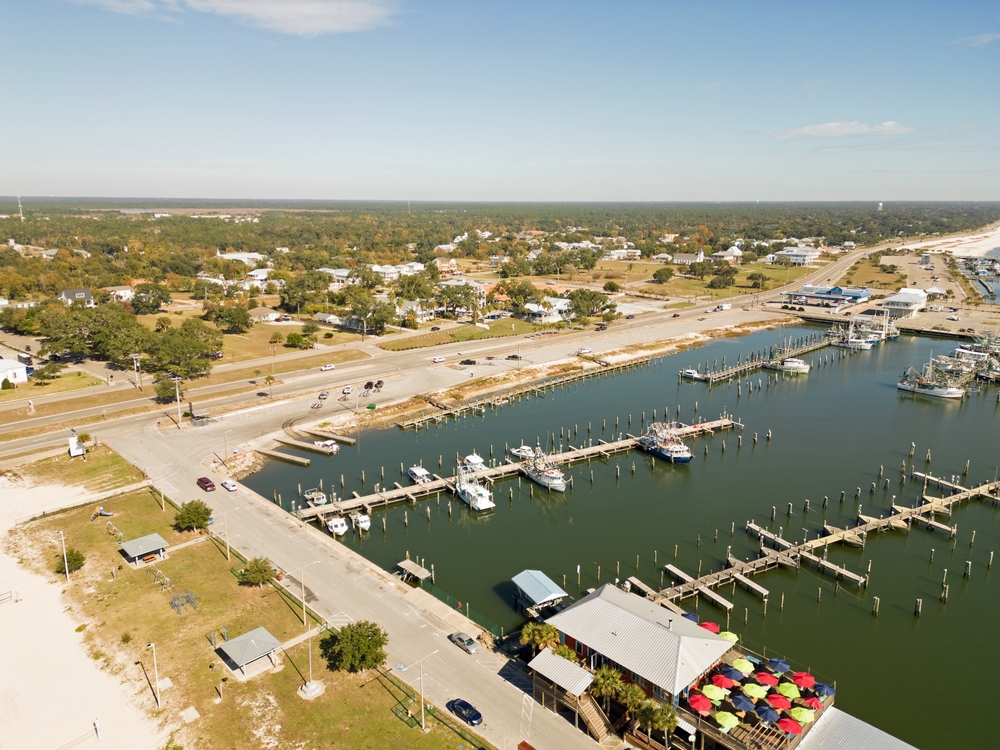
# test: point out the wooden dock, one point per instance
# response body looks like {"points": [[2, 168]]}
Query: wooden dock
{"points": [[305, 446], [790, 554], [774, 355], [284, 457], [599, 449]]}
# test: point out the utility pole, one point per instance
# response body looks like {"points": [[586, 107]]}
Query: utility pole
{"points": [[156, 673], [65, 561], [177, 391], [136, 370]]}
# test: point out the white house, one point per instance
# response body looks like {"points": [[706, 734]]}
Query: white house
{"points": [[249, 259], [264, 315], [534, 254], [447, 266], [447, 248], [498, 260], [732, 255], [687, 259], [120, 293], [663, 257], [406, 308], [410, 269], [211, 279], [340, 277], [71, 296], [328, 318], [623, 253], [552, 310], [14, 371], [388, 273], [906, 303], [478, 288], [801, 255]]}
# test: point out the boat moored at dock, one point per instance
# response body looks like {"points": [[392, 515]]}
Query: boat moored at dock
{"points": [[337, 526], [314, 497], [543, 471], [793, 365], [472, 493], [419, 474], [522, 453], [661, 440]]}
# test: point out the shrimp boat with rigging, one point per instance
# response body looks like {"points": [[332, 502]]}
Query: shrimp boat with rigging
{"points": [[930, 382], [543, 471], [661, 440], [471, 491]]}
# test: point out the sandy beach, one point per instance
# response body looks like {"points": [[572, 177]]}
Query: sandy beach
{"points": [[53, 691], [976, 244]]}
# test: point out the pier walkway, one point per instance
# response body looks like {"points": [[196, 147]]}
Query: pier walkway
{"points": [[776, 551], [745, 368], [600, 449]]}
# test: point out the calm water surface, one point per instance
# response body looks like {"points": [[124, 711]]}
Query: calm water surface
{"points": [[923, 679]]}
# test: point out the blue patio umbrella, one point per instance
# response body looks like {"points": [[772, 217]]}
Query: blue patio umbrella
{"points": [[691, 616], [778, 665], [821, 688], [766, 713], [741, 702], [732, 673]]}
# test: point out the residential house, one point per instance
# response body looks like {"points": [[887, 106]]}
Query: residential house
{"points": [[446, 248], [498, 260], [732, 255], [447, 266], [479, 288], [211, 279], [663, 257], [906, 303], [249, 259], [328, 318], [800, 255], [119, 293], [388, 273], [534, 254], [73, 296], [410, 269], [687, 259], [14, 371], [340, 277], [551, 310], [406, 308], [264, 315], [623, 253]]}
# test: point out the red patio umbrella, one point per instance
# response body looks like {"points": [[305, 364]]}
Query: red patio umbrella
{"points": [[722, 681], [700, 703], [777, 700], [814, 703], [766, 678], [789, 725], [803, 679], [711, 627]]}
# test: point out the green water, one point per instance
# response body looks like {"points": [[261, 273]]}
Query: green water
{"points": [[913, 677]]}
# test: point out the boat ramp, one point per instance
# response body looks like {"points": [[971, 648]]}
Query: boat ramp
{"points": [[412, 493], [776, 551]]}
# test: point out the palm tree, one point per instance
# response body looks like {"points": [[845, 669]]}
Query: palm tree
{"points": [[566, 653], [539, 635], [607, 684], [632, 696]]}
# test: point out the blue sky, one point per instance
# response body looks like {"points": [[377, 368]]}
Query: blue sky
{"points": [[480, 100]]}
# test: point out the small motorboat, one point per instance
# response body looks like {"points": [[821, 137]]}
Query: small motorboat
{"points": [[330, 445], [692, 374], [362, 521], [337, 526], [794, 365], [419, 474], [522, 453], [474, 462], [314, 497]]}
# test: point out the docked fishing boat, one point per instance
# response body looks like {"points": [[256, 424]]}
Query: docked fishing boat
{"points": [[473, 494], [542, 471], [337, 526], [330, 445], [522, 453], [929, 382], [419, 474], [849, 339], [661, 440], [362, 521], [793, 365], [692, 374], [473, 462], [314, 497]]}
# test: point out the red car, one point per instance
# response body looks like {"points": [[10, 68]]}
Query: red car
{"points": [[206, 484]]}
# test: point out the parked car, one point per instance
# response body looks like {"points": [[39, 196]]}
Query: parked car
{"points": [[584, 350], [316, 405], [438, 359], [228, 485], [324, 395], [952, 317], [379, 383], [467, 362], [513, 356], [206, 484], [435, 328], [327, 368], [629, 317], [465, 642], [676, 315], [348, 390], [465, 711], [601, 327]]}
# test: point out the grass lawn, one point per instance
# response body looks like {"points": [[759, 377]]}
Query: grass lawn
{"points": [[103, 470], [66, 381], [863, 273], [126, 613], [688, 286], [255, 343], [503, 327]]}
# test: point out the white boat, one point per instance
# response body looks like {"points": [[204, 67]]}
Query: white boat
{"points": [[330, 445], [849, 341], [692, 374], [337, 526], [544, 472], [314, 497], [419, 474], [472, 492], [522, 453], [661, 441], [361, 521], [474, 462], [794, 365], [938, 390]]}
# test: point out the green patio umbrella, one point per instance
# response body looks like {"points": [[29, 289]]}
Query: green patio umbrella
{"points": [[802, 715], [727, 720], [714, 692], [754, 690], [731, 637], [743, 665], [789, 690]]}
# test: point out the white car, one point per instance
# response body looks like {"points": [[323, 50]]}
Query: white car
{"points": [[584, 350], [327, 368], [348, 390], [952, 317], [438, 359], [229, 485]]}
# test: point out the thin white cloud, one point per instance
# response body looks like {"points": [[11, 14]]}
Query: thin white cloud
{"points": [[841, 129], [301, 17], [979, 40]]}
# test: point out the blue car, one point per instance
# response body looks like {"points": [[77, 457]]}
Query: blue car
{"points": [[465, 711]]}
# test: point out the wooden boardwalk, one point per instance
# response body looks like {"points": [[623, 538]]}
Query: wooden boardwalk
{"points": [[598, 450], [745, 368], [776, 551]]}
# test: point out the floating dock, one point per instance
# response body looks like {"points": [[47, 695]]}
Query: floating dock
{"points": [[305, 446], [298, 460]]}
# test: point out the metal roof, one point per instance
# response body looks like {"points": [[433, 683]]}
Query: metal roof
{"points": [[144, 545], [538, 587], [654, 643], [250, 646], [571, 677], [836, 730]]}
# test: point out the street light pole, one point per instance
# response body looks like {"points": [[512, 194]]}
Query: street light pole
{"points": [[156, 673], [62, 537], [420, 666], [302, 581], [225, 521], [177, 390]]}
